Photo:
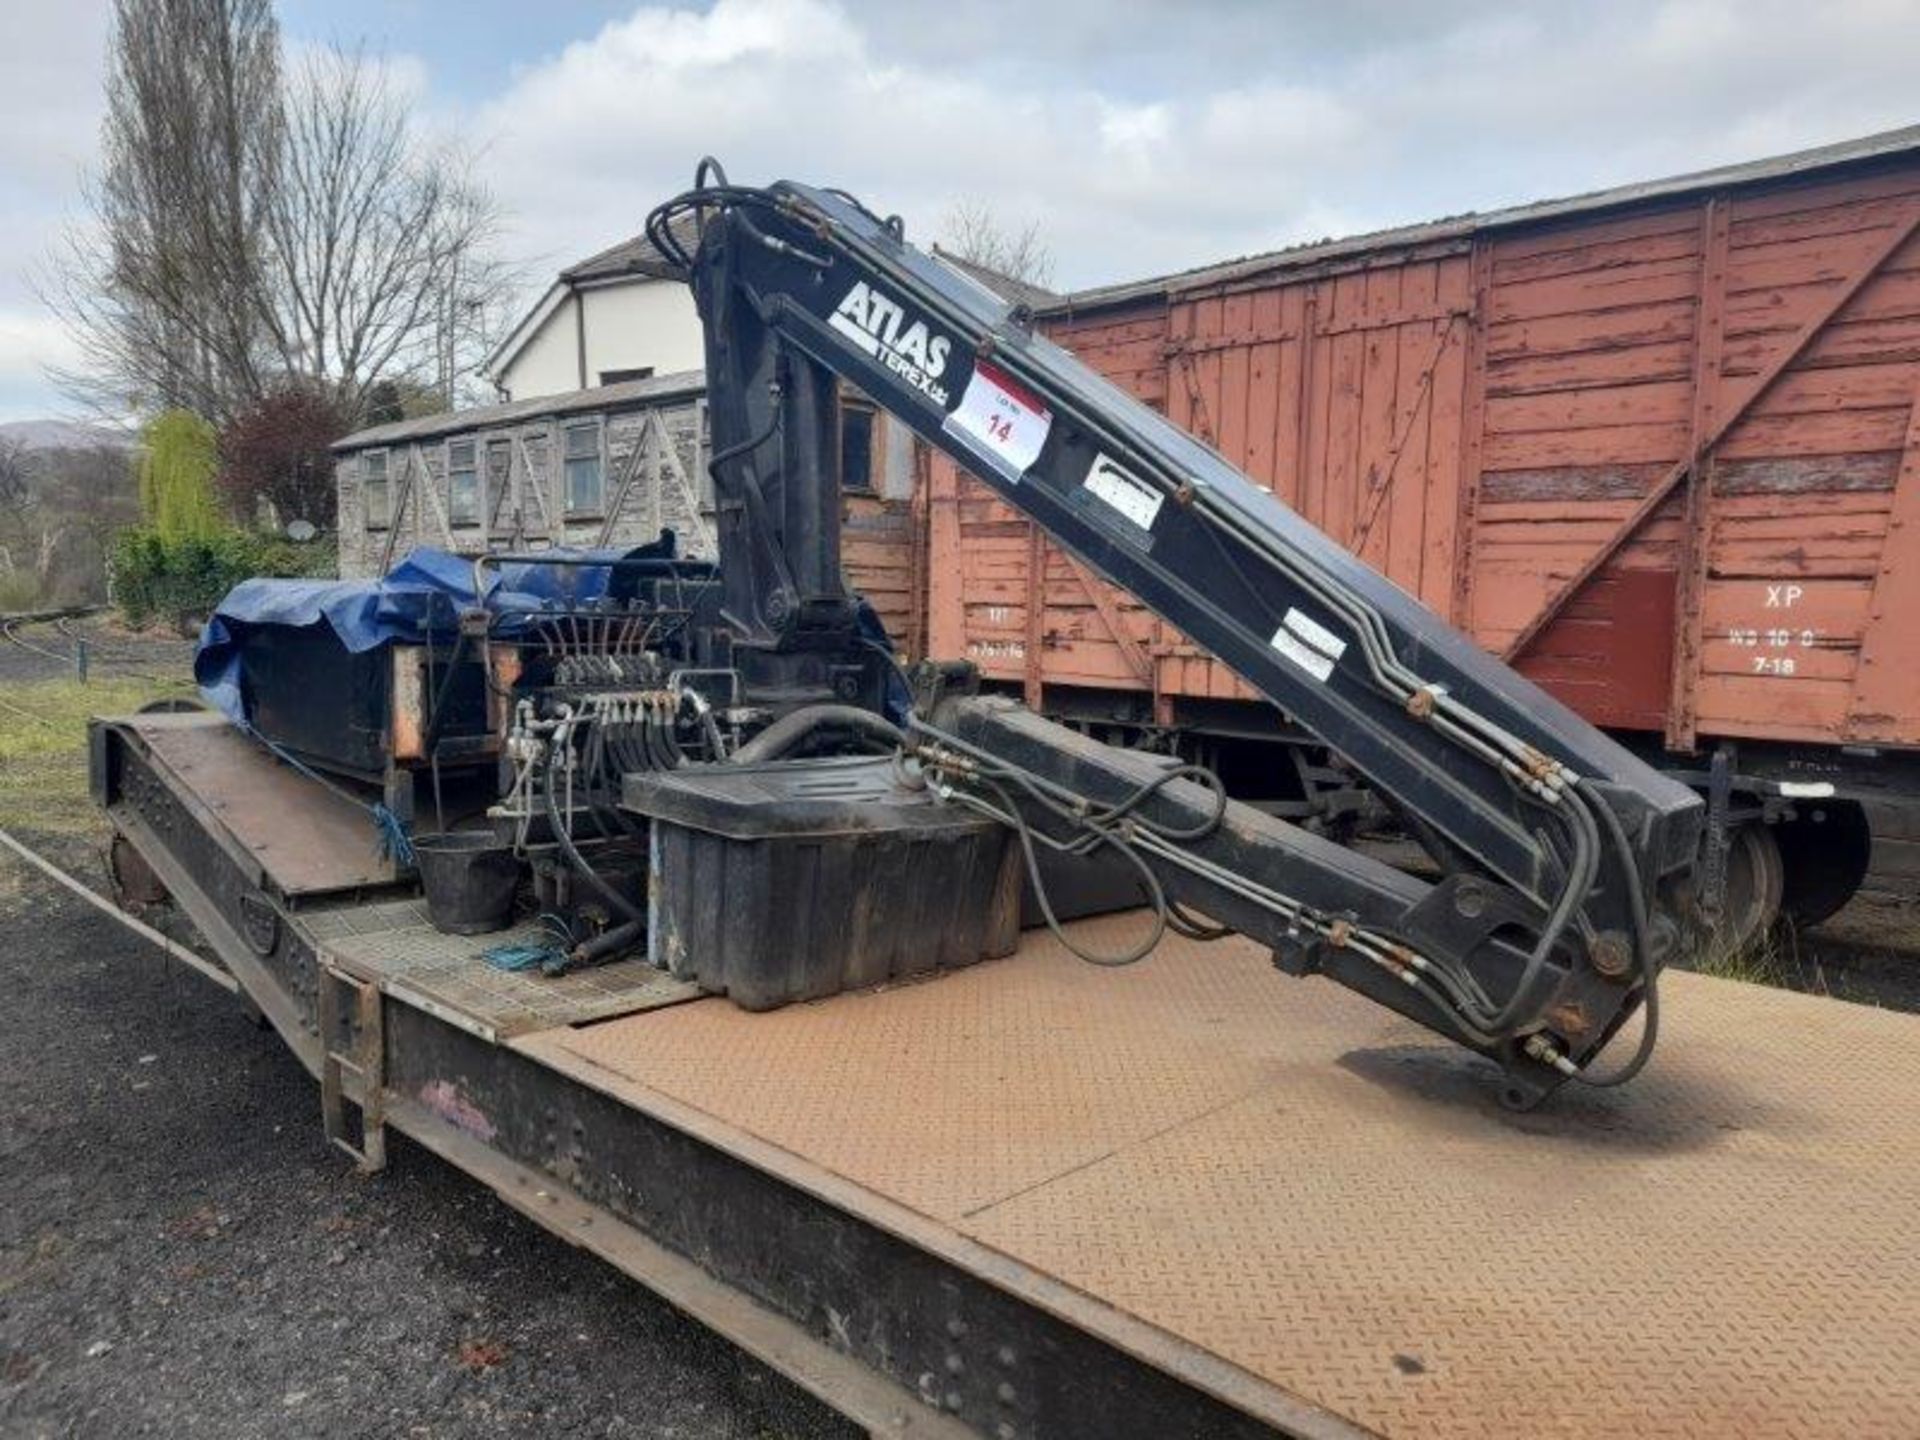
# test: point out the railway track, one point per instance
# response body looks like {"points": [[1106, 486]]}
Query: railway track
{"points": [[122, 656], [11, 626]]}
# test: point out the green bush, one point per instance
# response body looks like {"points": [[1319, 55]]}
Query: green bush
{"points": [[181, 581]]}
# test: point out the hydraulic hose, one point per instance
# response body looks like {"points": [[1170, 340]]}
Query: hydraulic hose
{"points": [[789, 732], [563, 835], [608, 942]]}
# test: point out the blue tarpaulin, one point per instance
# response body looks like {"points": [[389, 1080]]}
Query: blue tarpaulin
{"points": [[420, 597]]}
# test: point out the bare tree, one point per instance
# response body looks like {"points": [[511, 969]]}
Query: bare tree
{"points": [[378, 246], [971, 231], [16, 475], [157, 290], [256, 224], [59, 509]]}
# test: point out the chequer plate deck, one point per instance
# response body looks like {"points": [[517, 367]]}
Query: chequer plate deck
{"points": [[1275, 1172]]}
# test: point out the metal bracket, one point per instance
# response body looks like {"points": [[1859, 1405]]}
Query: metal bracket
{"points": [[1719, 837], [366, 1064]]}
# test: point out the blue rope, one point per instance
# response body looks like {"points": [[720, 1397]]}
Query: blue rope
{"points": [[391, 841]]}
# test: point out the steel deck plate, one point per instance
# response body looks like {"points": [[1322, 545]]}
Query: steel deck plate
{"points": [[1279, 1174], [308, 839], [394, 944]]}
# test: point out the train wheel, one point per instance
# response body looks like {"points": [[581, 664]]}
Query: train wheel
{"points": [[1755, 883], [1825, 850]]}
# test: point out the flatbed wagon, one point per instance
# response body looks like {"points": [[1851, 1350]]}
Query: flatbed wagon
{"points": [[1034, 1198]]}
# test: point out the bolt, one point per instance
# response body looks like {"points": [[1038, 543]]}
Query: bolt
{"points": [[1610, 955]]}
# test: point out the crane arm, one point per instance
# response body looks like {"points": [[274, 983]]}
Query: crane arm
{"points": [[1567, 858]]}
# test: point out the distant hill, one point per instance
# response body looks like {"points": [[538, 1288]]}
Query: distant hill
{"points": [[64, 435]]}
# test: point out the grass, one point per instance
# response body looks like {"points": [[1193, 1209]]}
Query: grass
{"points": [[43, 746], [1772, 958]]}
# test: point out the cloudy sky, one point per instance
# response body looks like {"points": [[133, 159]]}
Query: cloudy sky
{"points": [[1141, 137]]}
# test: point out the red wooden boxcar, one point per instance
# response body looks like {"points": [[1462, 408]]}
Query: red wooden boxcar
{"points": [[1659, 446]]}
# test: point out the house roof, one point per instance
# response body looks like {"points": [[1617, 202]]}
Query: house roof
{"points": [[1891, 143], [637, 256], [628, 394]]}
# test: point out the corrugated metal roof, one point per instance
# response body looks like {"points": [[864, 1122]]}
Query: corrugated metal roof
{"points": [[626, 395], [1799, 163]]}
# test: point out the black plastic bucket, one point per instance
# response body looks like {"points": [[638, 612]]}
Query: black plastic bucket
{"points": [[469, 877]]}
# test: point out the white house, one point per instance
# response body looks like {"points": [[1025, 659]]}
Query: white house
{"points": [[617, 316]]}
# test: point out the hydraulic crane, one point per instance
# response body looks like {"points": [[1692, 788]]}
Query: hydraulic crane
{"points": [[1565, 861]]}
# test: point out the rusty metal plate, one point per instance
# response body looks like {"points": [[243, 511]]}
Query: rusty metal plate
{"points": [[395, 945], [308, 840], [1277, 1173]]}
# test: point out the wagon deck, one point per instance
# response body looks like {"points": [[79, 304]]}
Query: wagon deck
{"points": [[1191, 1198]]}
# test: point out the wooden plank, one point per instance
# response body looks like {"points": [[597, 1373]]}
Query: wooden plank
{"points": [[1264, 379], [1709, 335], [1885, 703], [1440, 487], [1775, 614], [1666, 322], [1842, 211], [1582, 232], [1315, 406], [1833, 432], [1827, 261], [1378, 426], [1236, 321], [1599, 445], [1623, 288], [1728, 414], [1766, 707], [1473, 427], [1591, 369], [1867, 472], [1635, 401], [1557, 484], [1346, 380], [1420, 345], [1605, 251], [947, 562], [1034, 675]]}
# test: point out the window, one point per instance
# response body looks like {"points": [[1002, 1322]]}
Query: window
{"points": [[585, 479], [463, 484], [373, 486], [856, 449], [620, 377], [499, 481]]}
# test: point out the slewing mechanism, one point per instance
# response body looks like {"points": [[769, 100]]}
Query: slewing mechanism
{"points": [[1564, 862]]}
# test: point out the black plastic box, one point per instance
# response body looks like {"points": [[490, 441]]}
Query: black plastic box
{"points": [[802, 878]]}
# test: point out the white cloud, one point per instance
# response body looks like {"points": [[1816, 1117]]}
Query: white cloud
{"points": [[1179, 136], [31, 340], [1142, 137]]}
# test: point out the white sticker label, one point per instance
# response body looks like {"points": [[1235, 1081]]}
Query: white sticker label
{"points": [[1132, 497], [1301, 654], [1807, 789], [1315, 634], [1308, 643], [1001, 420]]}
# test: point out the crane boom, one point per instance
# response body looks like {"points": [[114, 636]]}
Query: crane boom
{"points": [[1566, 859]]}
